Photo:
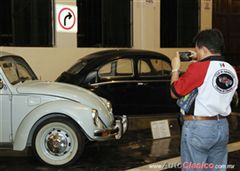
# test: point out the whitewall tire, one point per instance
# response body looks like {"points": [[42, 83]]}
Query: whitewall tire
{"points": [[58, 141]]}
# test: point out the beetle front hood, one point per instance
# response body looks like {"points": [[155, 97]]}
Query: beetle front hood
{"points": [[55, 89], [65, 91]]}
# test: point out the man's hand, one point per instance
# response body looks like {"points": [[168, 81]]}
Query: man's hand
{"points": [[193, 56], [176, 63]]}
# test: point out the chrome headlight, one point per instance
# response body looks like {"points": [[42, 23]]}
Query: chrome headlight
{"points": [[97, 122], [109, 106]]}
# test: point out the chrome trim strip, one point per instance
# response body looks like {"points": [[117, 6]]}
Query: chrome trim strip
{"points": [[129, 81]]}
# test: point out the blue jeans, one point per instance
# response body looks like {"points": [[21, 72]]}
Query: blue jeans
{"points": [[204, 145]]}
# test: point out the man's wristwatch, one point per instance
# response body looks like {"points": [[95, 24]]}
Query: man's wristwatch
{"points": [[175, 70]]}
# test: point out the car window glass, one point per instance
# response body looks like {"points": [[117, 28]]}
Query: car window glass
{"points": [[160, 65], [143, 67], [117, 68], [153, 67], [16, 69], [23, 73], [10, 71], [124, 67], [106, 69]]}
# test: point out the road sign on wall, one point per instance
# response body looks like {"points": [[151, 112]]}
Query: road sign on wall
{"points": [[66, 18]]}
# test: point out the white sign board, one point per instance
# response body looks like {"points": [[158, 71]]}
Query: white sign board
{"points": [[160, 129], [66, 18]]}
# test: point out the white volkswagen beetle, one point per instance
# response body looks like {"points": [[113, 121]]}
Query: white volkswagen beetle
{"points": [[53, 118]]}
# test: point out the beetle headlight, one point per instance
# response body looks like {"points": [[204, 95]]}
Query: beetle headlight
{"points": [[97, 122], [109, 106]]}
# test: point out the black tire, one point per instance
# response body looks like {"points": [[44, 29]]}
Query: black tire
{"points": [[58, 141]]}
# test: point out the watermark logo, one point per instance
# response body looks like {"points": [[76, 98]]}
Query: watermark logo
{"points": [[166, 165], [190, 166]]}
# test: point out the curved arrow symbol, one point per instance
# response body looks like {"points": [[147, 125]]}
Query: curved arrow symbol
{"points": [[69, 16]]}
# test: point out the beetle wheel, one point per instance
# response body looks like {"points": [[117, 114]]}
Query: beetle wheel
{"points": [[58, 142]]}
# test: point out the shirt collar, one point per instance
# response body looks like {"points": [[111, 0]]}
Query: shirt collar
{"points": [[213, 58]]}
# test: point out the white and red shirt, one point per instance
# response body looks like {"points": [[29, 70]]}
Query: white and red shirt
{"points": [[216, 82]]}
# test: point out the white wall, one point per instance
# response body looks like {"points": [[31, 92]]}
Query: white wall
{"points": [[50, 62], [146, 24]]}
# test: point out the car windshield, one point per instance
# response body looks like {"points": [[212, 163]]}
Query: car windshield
{"points": [[16, 70], [76, 68]]}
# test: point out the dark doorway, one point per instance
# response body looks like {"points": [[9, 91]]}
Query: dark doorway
{"points": [[26, 23], [226, 17], [104, 23], [179, 22]]}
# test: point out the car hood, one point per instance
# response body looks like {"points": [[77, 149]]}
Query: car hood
{"points": [[66, 91]]}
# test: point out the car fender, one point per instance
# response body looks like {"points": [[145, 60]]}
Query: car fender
{"points": [[81, 114]]}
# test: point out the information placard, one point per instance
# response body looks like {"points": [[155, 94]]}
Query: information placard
{"points": [[160, 129]]}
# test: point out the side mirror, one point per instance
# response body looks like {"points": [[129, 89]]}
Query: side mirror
{"points": [[1, 84]]}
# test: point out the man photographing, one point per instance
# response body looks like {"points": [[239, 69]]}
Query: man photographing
{"points": [[204, 94]]}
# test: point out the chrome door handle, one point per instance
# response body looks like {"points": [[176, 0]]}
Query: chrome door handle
{"points": [[141, 84], [94, 85]]}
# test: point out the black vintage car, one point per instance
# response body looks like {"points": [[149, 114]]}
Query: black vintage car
{"points": [[135, 81]]}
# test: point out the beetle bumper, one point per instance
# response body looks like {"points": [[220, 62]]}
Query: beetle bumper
{"points": [[118, 129]]}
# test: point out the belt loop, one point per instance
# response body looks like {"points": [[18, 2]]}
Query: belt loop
{"points": [[218, 117], [194, 117]]}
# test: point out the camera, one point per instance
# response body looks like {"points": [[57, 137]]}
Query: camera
{"points": [[185, 56]]}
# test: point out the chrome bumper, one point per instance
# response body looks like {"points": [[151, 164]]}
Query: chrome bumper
{"points": [[119, 128]]}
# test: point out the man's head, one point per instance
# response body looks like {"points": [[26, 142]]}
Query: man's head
{"points": [[209, 42]]}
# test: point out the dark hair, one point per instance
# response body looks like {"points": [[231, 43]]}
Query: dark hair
{"points": [[211, 39]]}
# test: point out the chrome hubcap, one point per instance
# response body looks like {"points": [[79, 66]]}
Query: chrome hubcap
{"points": [[57, 142]]}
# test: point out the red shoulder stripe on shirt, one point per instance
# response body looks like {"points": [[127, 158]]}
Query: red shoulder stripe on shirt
{"points": [[191, 79]]}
